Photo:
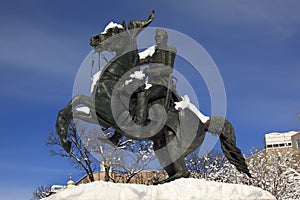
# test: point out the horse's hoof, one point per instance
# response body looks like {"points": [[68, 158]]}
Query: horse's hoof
{"points": [[163, 181], [174, 177], [156, 182]]}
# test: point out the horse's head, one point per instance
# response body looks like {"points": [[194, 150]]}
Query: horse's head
{"points": [[110, 39]]}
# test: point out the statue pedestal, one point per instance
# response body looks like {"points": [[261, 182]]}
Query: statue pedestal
{"points": [[184, 188]]}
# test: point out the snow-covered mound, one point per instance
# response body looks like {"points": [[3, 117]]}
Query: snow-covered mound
{"points": [[184, 188]]}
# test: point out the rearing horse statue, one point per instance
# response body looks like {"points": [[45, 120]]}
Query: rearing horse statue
{"points": [[175, 132]]}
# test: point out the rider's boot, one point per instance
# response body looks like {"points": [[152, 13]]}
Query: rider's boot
{"points": [[141, 112]]}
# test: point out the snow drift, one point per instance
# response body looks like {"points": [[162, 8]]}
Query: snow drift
{"points": [[184, 188]]}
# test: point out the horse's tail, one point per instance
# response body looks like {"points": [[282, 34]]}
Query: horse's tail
{"points": [[219, 126], [136, 26]]}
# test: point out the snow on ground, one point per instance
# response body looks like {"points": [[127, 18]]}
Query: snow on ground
{"points": [[181, 189]]}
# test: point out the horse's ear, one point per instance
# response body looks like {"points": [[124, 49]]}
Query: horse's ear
{"points": [[124, 25]]}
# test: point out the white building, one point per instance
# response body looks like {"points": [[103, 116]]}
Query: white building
{"points": [[282, 140], [58, 188]]}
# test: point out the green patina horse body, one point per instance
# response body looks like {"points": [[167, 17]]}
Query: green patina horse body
{"points": [[175, 132]]}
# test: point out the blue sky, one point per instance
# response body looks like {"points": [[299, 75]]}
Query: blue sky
{"points": [[255, 45]]}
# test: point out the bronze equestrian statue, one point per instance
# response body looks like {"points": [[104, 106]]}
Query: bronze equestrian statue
{"points": [[142, 113]]}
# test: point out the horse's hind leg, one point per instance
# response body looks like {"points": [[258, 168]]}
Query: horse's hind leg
{"points": [[167, 153], [163, 155], [179, 164]]}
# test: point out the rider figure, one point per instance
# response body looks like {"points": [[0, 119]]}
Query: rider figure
{"points": [[159, 73], [161, 64]]}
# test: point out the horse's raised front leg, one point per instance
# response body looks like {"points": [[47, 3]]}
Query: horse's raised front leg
{"points": [[66, 115]]}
